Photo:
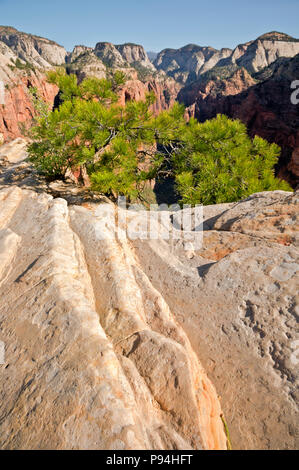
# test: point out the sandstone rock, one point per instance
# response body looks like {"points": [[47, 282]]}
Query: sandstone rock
{"points": [[7, 59], [84, 63], [237, 301], [14, 152], [108, 53], [134, 53], [263, 103], [190, 62], [83, 328], [164, 89], [187, 63], [16, 169], [266, 49], [79, 50], [84, 317], [18, 108], [40, 52]]}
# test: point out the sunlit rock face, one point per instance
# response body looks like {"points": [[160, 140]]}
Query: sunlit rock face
{"points": [[262, 101], [40, 52], [94, 357], [25, 59], [18, 109], [134, 53], [143, 343], [190, 62]]}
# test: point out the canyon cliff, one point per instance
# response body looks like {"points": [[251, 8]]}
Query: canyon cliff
{"points": [[187, 63], [132, 60], [37, 51], [190, 62], [25, 58], [261, 100], [251, 82], [120, 342]]}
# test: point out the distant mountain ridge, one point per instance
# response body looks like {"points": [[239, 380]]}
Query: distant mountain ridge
{"points": [[38, 51], [185, 64], [152, 55], [188, 63], [260, 100], [238, 82], [24, 59], [43, 53]]}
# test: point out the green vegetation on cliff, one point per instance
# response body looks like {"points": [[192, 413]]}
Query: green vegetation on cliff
{"points": [[123, 147]]}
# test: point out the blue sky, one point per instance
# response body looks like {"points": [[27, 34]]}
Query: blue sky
{"points": [[156, 24]]}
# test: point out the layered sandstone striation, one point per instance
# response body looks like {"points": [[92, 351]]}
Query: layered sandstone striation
{"points": [[94, 357], [237, 300], [190, 62], [262, 102], [114, 341], [18, 109], [25, 58], [38, 51]]}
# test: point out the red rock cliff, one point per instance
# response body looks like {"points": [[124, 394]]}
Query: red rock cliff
{"points": [[263, 104], [18, 108]]}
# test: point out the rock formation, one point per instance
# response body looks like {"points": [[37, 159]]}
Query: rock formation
{"points": [[39, 52], [109, 55], [190, 62], [258, 54], [18, 109], [24, 58], [113, 342], [77, 51], [84, 63], [123, 55], [252, 83], [262, 102], [135, 54], [82, 341]]}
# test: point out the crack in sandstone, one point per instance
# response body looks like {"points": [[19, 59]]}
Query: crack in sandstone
{"points": [[84, 395], [72, 320], [117, 258]]}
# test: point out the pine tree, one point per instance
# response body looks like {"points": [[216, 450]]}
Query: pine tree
{"points": [[220, 163], [118, 144], [122, 147]]}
